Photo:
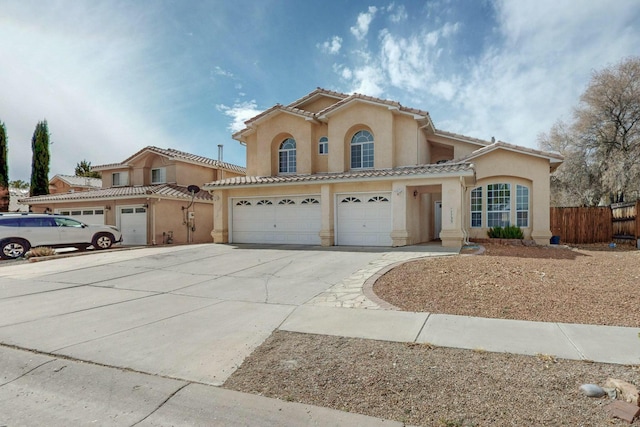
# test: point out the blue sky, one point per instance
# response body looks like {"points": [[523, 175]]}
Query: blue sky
{"points": [[112, 77]]}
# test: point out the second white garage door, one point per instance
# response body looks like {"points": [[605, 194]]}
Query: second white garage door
{"points": [[133, 225], [283, 220], [364, 219]]}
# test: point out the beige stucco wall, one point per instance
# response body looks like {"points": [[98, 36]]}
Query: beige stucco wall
{"points": [[516, 168]]}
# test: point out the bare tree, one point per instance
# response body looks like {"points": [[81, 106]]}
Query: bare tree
{"points": [[602, 144]]}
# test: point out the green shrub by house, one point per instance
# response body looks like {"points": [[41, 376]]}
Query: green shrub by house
{"points": [[508, 232]]}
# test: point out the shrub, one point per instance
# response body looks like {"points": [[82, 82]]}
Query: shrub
{"points": [[40, 251], [508, 232]]}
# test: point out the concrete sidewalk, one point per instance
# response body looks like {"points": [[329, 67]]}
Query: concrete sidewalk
{"points": [[606, 344]]}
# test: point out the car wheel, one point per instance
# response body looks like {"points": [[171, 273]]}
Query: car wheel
{"points": [[102, 241], [14, 248]]}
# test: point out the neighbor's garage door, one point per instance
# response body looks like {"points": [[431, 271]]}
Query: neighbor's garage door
{"points": [[133, 224], [86, 215], [285, 220], [364, 219]]}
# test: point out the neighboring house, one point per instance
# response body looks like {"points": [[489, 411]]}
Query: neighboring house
{"points": [[338, 169], [71, 183], [148, 197], [16, 194]]}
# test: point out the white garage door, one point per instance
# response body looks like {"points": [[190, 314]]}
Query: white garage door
{"points": [[364, 219], [133, 224], [284, 220], [86, 215]]}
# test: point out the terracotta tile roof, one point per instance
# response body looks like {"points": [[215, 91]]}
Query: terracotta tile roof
{"points": [[553, 157], [462, 137], [177, 155], [79, 181], [343, 100], [318, 91], [375, 174], [162, 190], [279, 107], [387, 102]]}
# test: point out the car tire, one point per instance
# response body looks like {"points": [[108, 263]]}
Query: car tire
{"points": [[102, 241], [14, 248]]}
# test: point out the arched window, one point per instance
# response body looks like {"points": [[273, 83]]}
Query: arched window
{"points": [[362, 150], [287, 156], [323, 145]]}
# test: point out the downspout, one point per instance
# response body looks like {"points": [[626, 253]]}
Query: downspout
{"points": [[465, 232], [153, 222]]}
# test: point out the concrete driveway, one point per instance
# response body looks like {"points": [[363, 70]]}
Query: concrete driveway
{"points": [[189, 312]]}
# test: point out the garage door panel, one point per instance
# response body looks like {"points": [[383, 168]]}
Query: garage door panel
{"points": [[364, 220], [280, 220], [133, 225]]}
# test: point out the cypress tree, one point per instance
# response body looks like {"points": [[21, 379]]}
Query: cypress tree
{"points": [[40, 160], [4, 170]]}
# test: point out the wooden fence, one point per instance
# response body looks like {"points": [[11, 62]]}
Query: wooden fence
{"points": [[596, 225]]}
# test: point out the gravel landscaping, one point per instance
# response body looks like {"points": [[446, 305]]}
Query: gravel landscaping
{"points": [[433, 386]]}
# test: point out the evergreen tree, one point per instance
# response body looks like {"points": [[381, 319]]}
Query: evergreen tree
{"points": [[40, 160], [84, 169], [4, 170]]}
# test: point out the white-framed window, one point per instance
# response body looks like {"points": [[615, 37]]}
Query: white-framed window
{"points": [[362, 150], [119, 179], [476, 207], [323, 145], [498, 205], [287, 156], [522, 206], [158, 176]]}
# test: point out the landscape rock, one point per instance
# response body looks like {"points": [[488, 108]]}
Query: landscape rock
{"points": [[592, 390], [628, 392]]}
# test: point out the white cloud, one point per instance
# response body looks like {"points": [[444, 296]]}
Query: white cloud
{"points": [[520, 88], [331, 46], [397, 13], [240, 112], [536, 61], [75, 80], [361, 28], [220, 72]]}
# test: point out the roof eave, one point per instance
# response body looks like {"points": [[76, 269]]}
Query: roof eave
{"points": [[466, 173]]}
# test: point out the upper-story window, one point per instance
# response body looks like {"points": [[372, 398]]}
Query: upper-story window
{"points": [[158, 176], [287, 156], [323, 145], [362, 150], [119, 179]]}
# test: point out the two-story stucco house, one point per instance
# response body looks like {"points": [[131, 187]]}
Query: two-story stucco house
{"points": [[338, 169], [147, 196]]}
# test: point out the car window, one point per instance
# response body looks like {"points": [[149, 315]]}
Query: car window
{"points": [[36, 222], [10, 222], [68, 222]]}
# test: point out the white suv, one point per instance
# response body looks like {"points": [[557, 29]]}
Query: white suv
{"points": [[20, 232]]}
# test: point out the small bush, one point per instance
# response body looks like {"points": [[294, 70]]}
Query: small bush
{"points": [[40, 251], [508, 232]]}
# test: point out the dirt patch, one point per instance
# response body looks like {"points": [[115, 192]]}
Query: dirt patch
{"points": [[425, 385], [591, 285]]}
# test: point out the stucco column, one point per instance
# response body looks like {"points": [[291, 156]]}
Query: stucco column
{"points": [[220, 232], [452, 234], [399, 233], [326, 208], [540, 212]]}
